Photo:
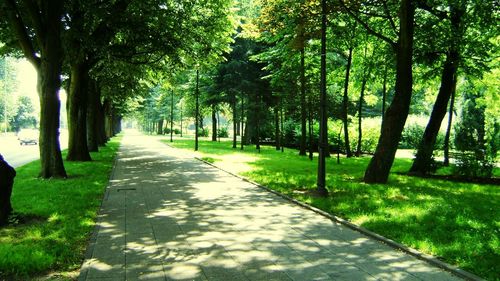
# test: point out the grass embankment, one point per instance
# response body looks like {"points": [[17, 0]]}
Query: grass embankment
{"points": [[54, 218], [457, 222]]}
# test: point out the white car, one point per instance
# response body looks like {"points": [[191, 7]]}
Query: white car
{"points": [[28, 136]]}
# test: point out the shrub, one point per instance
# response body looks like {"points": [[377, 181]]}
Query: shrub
{"points": [[411, 136], [202, 132], [222, 133]]}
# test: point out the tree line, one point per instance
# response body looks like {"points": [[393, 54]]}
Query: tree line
{"points": [[269, 66], [382, 58], [99, 51]]}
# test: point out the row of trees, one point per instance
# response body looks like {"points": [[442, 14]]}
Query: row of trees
{"points": [[16, 112], [104, 49], [383, 58]]}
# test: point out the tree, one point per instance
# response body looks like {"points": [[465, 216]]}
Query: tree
{"points": [[455, 47], [24, 117], [37, 27], [323, 128], [395, 117]]}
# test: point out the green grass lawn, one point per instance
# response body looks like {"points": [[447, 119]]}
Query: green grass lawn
{"points": [[457, 222], [56, 218]]}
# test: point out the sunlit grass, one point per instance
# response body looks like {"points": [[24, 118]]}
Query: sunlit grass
{"points": [[62, 216], [457, 222]]}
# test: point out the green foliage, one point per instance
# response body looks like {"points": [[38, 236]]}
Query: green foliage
{"points": [[473, 165], [49, 234], [478, 146], [222, 132], [25, 115], [203, 132], [452, 220], [412, 135]]}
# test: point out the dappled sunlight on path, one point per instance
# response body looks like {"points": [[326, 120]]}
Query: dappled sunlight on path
{"points": [[166, 216]]}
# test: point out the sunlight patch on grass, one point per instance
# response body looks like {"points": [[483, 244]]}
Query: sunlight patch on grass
{"points": [[51, 234]]}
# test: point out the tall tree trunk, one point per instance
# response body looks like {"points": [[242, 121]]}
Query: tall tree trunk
{"points": [[323, 119], [310, 127], [197, 110], [446, 147], [172, 117], [77, 113], [159, 127], [277, 127], [214, 123], [48, 85], [181, 120], [108, 119], [282, 127], [243, 127], [395, 118], [303, 113], [345, 105], [101, 120], [422, 163], [360, 114], [92, 118], [50, 150], [384, 93], [257, 124], [40, 42], [235, 120]]}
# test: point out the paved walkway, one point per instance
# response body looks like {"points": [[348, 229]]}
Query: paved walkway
{"points": [[166, 216]]}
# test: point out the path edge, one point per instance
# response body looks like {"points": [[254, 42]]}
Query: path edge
{"points": [[84, 269], [421, 256]]}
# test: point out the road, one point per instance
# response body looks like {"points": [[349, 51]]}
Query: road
{"points": [[17, 155]]}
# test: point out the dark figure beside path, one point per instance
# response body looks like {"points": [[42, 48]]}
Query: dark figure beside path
{"points": [[7, 175]]}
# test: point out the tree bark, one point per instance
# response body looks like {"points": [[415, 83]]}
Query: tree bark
{"points": [[197, 111], [243, 127], [345, 105], [257, 124], [108, 119], [159, 127], [214, 123], [172, 117], [77, 113], [380, 165], [310, 127], [422, 162], [446, 147], [235, 121], [323, 128], [303, 114], [49, 83], [360, 115], [277, 128], [181, 119], [92, 118], [101, 120], [45, 34], [384, 93]]}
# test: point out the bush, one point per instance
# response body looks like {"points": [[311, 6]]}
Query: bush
{"points": [[476, 144], [177, 131], [473, 165], [202, 132], [411, 136], [222, 133]]}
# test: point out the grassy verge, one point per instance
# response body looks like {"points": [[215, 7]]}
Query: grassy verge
{"points": [[53, 218], [457, 222]]}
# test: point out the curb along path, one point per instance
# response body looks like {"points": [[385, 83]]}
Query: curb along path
{"points": [[167, 216]]}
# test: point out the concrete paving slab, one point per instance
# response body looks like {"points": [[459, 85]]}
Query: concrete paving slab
{"points": [[167, 216]]}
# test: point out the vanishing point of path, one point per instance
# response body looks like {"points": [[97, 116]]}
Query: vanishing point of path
{"points": [[167, 216]]}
